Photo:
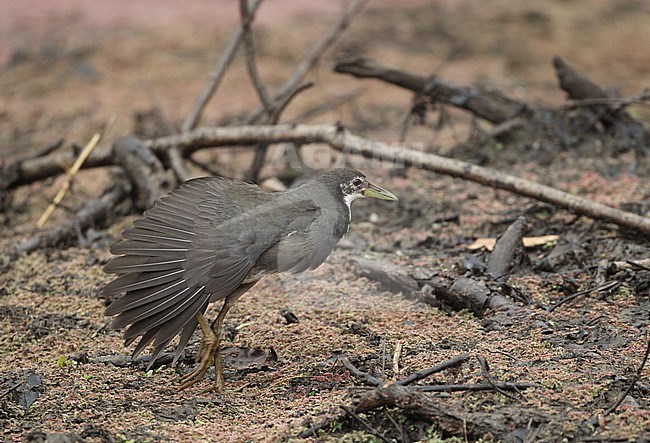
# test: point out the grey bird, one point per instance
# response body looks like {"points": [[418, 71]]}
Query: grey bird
{"points": [[212, 239]]}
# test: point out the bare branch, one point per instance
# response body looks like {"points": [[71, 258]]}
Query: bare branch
{"points": [[344, 141], [313, 55], [216, 75], [176, 163], [143, 169], [487, 104], [249, 49]]}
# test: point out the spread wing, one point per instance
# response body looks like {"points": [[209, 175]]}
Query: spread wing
{"points": [[195, 246], [175, 257]]}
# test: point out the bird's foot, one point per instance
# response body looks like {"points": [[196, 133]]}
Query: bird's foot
{"points": [[208, 355]]}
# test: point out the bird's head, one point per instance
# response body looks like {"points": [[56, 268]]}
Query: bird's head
{"points": [[354, 184]]}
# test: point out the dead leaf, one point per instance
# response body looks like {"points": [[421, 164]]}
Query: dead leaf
{"points": [[529, 242]]}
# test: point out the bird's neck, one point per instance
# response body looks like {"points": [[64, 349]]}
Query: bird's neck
{"points": [[348, 199]]}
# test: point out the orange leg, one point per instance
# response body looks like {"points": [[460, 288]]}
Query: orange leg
{"points": [[209, 352]]}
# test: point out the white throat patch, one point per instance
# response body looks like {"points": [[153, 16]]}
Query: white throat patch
{"points": [[349, 198]]}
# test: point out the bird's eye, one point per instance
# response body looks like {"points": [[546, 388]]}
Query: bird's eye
{"points": [[357, 182]]}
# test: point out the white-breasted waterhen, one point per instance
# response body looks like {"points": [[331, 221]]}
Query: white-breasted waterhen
{"points": [[212, 239]]}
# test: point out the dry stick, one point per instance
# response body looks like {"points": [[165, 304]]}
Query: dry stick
{"points": [[249, 49], [143, 170], [50, 148], [396, 356], [74, 169], [56, 201], [503, 386], [177, 165], [609, 286], [505, 250], [216, 75], [417, 376], [636, 378], [643, 264], [363, 376], [314, 55], [485, 370], [490, 105], [639, 98]]}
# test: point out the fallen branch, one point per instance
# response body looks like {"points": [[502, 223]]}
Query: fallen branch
{"points": [[490, 105], [626, 130], [466, 293], [495, 386], [610, 286], [447, 417], [143, 169], [417, 376], [360, 375], [342, 140], [97, 211]]}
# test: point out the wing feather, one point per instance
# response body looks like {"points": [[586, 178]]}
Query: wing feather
{"points": [[175, 260]]}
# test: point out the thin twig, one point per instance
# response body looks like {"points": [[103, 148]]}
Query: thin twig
{"points": [[609, 286], [50, 148], [282, 102], [485, 370], [365, 424], [217, 74], [640, 98], [74, 169], [416, 376], [396, 356], [176, 162], [363, 376], [398, 426], [516, 387], [249, 49], [279, 106], [636, 378]]}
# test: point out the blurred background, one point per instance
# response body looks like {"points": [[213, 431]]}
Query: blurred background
{"points": [[67, 65]]}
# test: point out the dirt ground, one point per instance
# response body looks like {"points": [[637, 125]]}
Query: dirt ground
{"points": [[66, 68]]}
